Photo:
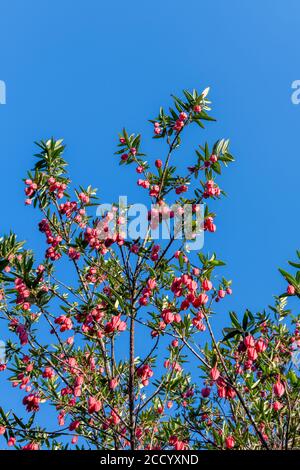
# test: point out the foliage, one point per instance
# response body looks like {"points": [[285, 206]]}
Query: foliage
{"points": [[185, 388]]}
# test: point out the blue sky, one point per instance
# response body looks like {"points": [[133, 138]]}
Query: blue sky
{"points": [[83, 70]]}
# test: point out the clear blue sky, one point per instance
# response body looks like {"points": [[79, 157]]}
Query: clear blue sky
{"points": [[83, 70]]}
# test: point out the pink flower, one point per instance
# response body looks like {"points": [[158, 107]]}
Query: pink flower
{"points": [[252, 354], [135, 248], [154, 190], [197, 322], [214, 373], [113, 383], [48, 373], [278, 388], [31, 446], [180, 445], [84, 198], [143, 183], [249, 341], [182, 116], [229, 442], [143, 300], [151, 283], [73, 254], [277, 406], [181, 189], [205, 392], [115, 325], [203, 299], [94, 405], [230, 392], [64, 322], [206, 285], [74, 425], [178, 125], [291, 290], [61, 418], [209, 225], [145, 372], [32, 402], [11, 441], [23, 336], [221, 294], [167, 316], [261, 345]]}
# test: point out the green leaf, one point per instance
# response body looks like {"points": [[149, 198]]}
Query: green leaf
{"points": [[234, 320], [231, 333], [290, 279]]}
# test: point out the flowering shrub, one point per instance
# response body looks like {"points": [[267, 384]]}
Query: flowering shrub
{"points": [[114, 336]]}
